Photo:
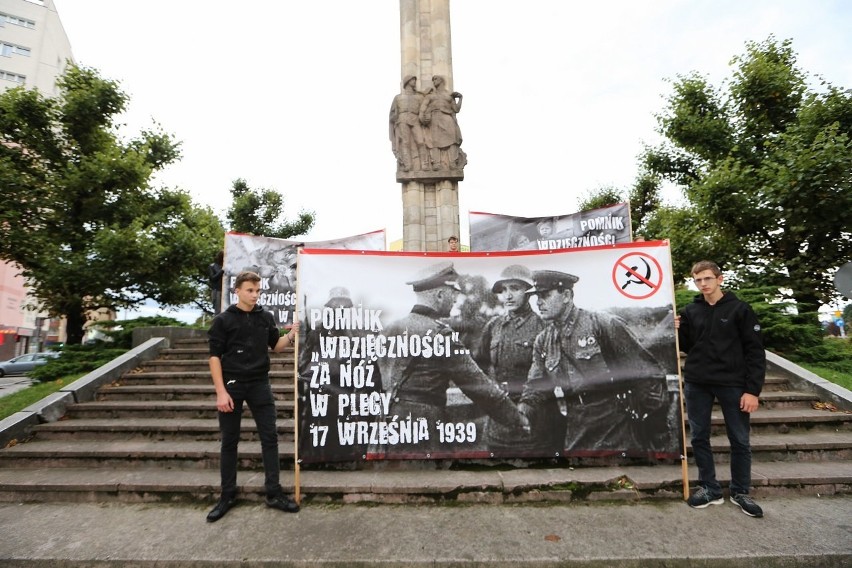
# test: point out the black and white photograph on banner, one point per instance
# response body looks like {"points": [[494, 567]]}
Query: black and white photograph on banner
{"points": [[595, 227], [274, 260], [506, 355]]}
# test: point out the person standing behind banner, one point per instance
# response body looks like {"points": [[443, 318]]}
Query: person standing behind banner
{"points": [[506, 355], [215, 273], [418, 385], [610, 388], [725, 362], [240, 339]]}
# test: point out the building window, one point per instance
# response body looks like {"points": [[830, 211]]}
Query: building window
{"points": [[16, 21], [8, 50], [14, 77]]}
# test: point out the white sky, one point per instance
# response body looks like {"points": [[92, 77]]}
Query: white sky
{"points": [[559, 96]]}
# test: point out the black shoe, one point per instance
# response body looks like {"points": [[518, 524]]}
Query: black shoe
{"points": [[747, 504], [223, 506], [282, 503], [703, 498]]}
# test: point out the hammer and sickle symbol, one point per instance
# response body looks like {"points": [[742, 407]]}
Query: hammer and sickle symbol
{"points": [[638, 280]]}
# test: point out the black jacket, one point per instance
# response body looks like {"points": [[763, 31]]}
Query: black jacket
{"points": [[723, 344], [242, 341]]}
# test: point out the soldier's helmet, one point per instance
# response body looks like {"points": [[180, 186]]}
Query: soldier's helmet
{"points": [[513, 273], [544, 280], [339, 297]]}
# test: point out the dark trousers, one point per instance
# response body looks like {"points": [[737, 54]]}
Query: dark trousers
{"points": [[258, 396], [699, 405]]}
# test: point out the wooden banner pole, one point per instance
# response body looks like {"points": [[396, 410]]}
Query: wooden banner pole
{"points": [[296, 467], [684, 466]]}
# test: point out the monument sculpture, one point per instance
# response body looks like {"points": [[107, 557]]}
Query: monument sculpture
{"points": [[424, 132], [443, 135], [406, 132]]}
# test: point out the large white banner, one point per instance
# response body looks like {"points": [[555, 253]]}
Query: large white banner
{"points": [[513, 354], [275, 261], [595, 227]]}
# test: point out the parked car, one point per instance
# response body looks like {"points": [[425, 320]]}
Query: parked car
{"points": [[25, 363]]}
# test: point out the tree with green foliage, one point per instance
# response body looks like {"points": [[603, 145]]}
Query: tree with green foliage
{"points": [[603, 196], [765, 163], [259, 212], [643, 197], [79, 216]]}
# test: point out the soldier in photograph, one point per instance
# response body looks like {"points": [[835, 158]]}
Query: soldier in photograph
{"points": [[505, 353], [610, 389]]}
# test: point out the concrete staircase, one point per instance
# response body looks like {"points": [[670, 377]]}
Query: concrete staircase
{"points": [[152, 436]]}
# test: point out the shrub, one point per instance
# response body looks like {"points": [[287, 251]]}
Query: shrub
{"points": [[120, 332], [833, 353], [76, 359]]}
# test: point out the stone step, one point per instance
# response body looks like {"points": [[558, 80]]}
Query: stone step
{"points": [[803, 447], [178, 444], [787, 399], [199, 377], [148, 428], [775, 383], [784, 420], [201, 364], [206, 392], [812, 445], [190, 343], [389, 486], [203, 352], [161, 409], [135, 453], [781, 399]]}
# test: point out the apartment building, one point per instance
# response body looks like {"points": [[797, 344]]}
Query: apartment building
{"points": [[34, 51]]}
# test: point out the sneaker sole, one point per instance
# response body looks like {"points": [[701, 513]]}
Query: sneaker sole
{"points": [[718, 501], [746, 512]]}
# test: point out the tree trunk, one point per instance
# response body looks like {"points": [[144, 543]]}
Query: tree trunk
{"points": [[74, 320]]}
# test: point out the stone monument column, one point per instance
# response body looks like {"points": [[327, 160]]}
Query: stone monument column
{"points": [[424, 132]]}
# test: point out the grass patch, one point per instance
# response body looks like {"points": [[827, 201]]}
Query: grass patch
{"points": [[836, 377], [17, 401]]}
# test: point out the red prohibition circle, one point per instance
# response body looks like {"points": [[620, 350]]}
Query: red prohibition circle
{"points": [[626, 270]]}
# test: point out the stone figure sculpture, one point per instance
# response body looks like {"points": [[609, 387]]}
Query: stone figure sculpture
{"points": [[406, 133], [441, 130]]}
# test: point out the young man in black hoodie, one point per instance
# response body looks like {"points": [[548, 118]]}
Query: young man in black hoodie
{"points": [[726, 362], [240, 339]]}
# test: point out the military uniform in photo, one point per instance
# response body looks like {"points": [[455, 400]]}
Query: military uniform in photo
{"points": [[506, 355], [610, 388]]}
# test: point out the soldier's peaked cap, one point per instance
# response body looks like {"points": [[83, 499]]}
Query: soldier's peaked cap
{"points": [[513, 273], [435, 276], [544, 280]]}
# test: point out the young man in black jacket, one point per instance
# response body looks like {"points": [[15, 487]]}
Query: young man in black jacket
{"points": [[240, 339], [725, 361]]}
